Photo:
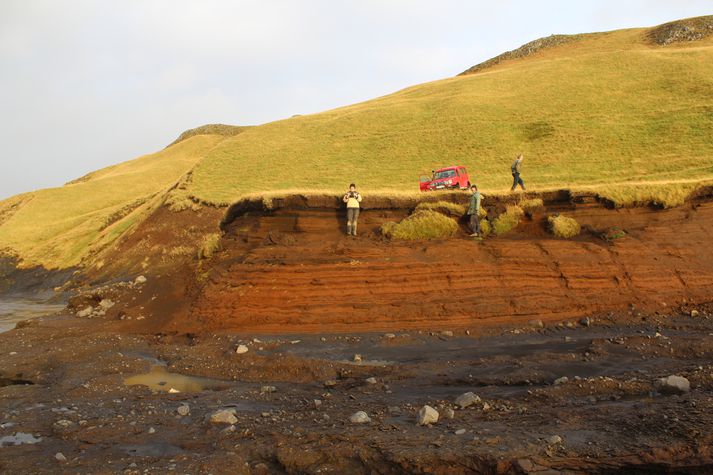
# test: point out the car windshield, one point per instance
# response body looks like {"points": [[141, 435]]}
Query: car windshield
{"points": [[444, 174]]}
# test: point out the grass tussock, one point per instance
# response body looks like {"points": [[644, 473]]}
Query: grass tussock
{"points": [[211, 244], [508, 220], [443, 207], [563, 226], [422, 224], [532, 205]]}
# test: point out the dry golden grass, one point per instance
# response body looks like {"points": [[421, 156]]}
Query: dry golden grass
{"points": [[422, 224], [563, 226]]}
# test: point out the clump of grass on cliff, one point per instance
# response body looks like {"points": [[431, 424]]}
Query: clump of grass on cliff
{"points": [[211, 244], [443, 207], [422, 224], [563, 226], [508, 220]]}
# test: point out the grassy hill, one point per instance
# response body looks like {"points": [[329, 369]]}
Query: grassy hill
{"points": [[628, 113]]}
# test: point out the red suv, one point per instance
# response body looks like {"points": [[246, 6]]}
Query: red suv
{"points": [[446, 178]]}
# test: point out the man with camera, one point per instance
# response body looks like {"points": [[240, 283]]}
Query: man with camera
{"points": [[352, 198]]}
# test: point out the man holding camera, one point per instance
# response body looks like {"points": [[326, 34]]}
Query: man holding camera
{"points": [[352, 198]]}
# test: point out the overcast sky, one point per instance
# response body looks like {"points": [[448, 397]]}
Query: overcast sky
{"points": [[85, 84]]}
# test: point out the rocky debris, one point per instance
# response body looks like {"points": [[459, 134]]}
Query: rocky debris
{"points": [[359, 417], [673, 385], [140, 280], [18, 439], [59, 456], [241, 349], [467, 399], [183, 410], [371, 380], [268, 389], [86, 312], [561, 380], [427, 415], [357, 358], [224, 416]]}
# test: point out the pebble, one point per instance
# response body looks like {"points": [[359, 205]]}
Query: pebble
{"points": [[59, 456], [427, 415], [183, 410], [359, 417], [241, 349], [224, 416], [467, 399], [673, 385]]}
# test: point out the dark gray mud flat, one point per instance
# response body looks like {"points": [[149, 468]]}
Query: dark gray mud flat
{"points": [[566, 398]]}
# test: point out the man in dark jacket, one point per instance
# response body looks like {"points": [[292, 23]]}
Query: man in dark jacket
{"points": [[515, 169], [474, 210]]}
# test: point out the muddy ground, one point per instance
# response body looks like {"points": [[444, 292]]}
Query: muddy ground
{"points": [[63, 384]]}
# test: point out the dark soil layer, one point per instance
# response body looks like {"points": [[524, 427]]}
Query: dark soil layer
{"points": [[62, 381]]}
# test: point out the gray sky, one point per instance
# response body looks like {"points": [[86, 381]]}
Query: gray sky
{"points": [[85, 84]]}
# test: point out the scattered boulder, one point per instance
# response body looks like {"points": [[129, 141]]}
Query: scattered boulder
{"points": [[183, 410], [223, 416], [467, 399], [87, 311], [427, 415], [360, 417], [673, 385], [241, 349]]}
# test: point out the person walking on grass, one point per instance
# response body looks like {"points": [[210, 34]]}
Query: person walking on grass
{"points": [[352, 198], [515, 169], [474, 210]]}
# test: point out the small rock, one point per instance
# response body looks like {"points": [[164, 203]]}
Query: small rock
{"points": [[241, 349], [59, 456], [673, 385], [460, 432], [268, 389], [371, 380], [140, 280], [183, 410], [694, 313], [224, 416], [357, 358], [87, 311], [554, 440], [536, 323], [427, 415], [467, 399], [359, 417], [561, 380], [449, 413]]}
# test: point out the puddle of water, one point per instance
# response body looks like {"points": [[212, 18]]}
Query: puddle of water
{"points": [[158, 379], [15, 310]]}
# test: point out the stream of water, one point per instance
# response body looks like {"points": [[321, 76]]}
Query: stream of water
{"points": [[12, 310]]}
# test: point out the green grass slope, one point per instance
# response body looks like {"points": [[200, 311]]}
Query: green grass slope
{"points": [[606, 111], [58, 227]]}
